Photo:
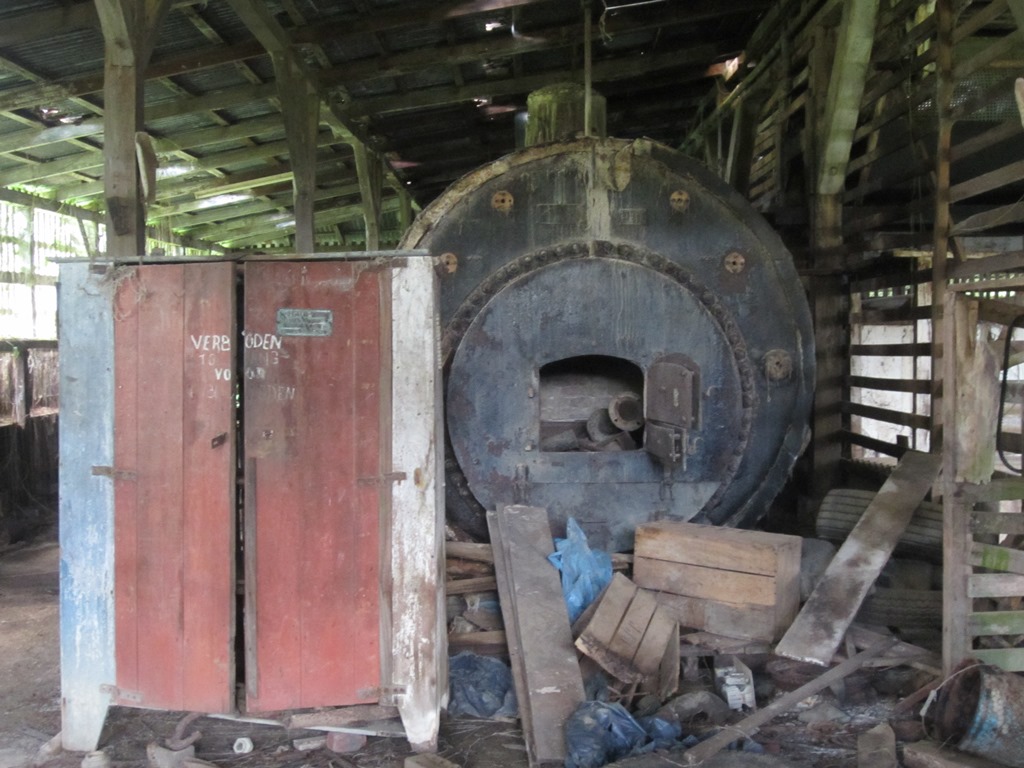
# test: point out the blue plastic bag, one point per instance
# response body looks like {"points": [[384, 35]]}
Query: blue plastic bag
{"points": [[600, 733], [585, 571], [480, 686]]}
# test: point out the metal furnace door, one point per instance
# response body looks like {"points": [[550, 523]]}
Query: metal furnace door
{"points": [[174, 489], [316, 410]]}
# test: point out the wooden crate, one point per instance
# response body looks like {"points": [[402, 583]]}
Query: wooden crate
{"points": [[731, 582]]}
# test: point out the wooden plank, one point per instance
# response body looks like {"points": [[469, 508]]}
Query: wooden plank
{"points": [[150, 533], [749, 725], [1010, 659], [917, 386], [987, 182], [418, 654], [713, 546], [707, 583], [732, 620], [469, 550], [996, 558], [487, 643], [469, 586], [549, 682], [659, 639], [927, 754], [125, 300], [608, 638], [989, 219], [818, 630], [891, 350], [888, 416], [341, 717], [174, 467], [87, 642], [208, 491], [880, 446], [315, 433], [995, 585], [984, 522], [996, 623]]}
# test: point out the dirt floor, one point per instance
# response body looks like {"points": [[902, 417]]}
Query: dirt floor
{"points": [[30, 708]]}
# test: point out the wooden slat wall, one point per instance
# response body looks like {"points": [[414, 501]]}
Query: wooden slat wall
{"points": [[888, 402], [983, 589], [889, 198]]}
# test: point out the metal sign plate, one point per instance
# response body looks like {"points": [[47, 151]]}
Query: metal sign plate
{"points": [[305, 322]]}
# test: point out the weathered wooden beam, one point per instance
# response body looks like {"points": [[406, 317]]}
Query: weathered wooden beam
{"points": [[845, 90], [274, 231], [369, 169], [300, 105], [818, 630], [129, 32], [606, 71]]}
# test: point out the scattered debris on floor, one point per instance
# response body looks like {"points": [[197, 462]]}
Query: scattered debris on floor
{"points": [[690, 650]]}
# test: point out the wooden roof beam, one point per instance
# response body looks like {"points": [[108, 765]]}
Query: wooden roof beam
{"points": [[602, 72], [845, 90], [298, 92]]}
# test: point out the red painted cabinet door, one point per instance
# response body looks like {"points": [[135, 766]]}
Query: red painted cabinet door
{"points": [[315, 355], [174, 480]]}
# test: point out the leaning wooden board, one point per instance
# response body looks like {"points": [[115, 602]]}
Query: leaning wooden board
{"points": [[737, 583], [821, 624], [545, 671]]}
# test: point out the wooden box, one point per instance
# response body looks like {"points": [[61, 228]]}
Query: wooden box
{"points": [[732, 582]]}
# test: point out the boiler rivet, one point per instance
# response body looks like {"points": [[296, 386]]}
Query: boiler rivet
{"points": [[735, 262], [778, 364], [450, 262], [502, 201], [679, 200]]}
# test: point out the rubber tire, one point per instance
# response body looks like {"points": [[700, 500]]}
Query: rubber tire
{"points": [[903, 608], [842, 508]]}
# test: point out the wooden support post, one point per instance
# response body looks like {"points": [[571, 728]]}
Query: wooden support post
{"points": [[87, 423], [830, 310], [968, 447], [300, 105], [845, 90], [86, 505], [405, 215], [741, 142], [370, 171], [129, 32], [419, 653], [838, 118], [943, 103]]}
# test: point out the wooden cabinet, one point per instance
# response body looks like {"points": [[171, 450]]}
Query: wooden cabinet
{"points": [[265, 533]]}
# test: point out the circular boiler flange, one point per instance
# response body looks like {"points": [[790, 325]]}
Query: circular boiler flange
{"points": [[622, 251], [566, 304]]}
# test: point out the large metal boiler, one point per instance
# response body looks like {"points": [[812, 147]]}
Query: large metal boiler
{"points": [[625, 339]]}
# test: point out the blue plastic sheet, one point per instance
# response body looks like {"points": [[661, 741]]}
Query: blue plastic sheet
{"points": [[599, 733], [480, 686], [585, 571]]}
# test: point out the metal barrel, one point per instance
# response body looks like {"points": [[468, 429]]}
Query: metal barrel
{"points": [[980, 709]]}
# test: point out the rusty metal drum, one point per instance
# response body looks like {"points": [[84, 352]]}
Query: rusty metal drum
{"points": [[625, 339]]}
